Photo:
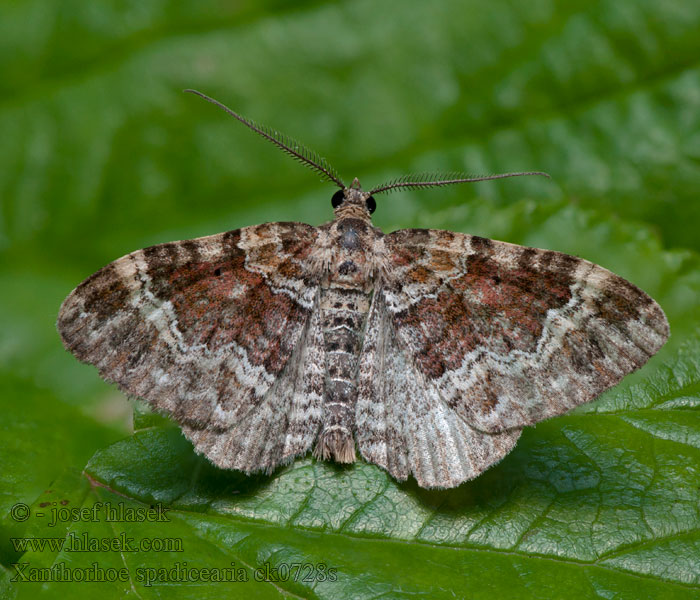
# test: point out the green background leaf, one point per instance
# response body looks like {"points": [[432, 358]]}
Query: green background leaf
{"points": [[102, 154]]}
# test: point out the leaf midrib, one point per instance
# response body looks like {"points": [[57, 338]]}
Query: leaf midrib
{"points": [[476, 549], [596, 563]]}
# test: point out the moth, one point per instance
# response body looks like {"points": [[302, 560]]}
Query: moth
{"points": [[424, 351]]}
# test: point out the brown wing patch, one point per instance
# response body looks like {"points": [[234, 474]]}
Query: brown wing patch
{"points": [[511, 335], [403, 424], [200, 329]]}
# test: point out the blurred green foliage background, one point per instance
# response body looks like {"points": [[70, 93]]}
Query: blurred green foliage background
{"points": [[101, 153]]}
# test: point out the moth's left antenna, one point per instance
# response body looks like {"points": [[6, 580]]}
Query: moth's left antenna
{"points": [[289, 145]]}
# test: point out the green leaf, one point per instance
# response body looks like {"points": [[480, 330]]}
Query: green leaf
{"points": [[603, 96], [43, 443]]}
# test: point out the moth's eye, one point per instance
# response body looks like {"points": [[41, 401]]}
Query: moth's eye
{"points": [[337, 199], [371, 204]]}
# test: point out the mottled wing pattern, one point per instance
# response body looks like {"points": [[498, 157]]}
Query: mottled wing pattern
{"points": [[508, 335], [402, 422], [210, 331], [284, 424]]}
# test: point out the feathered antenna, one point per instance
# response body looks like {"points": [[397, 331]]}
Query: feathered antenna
{"points": [[420, 180], [296, 150]]}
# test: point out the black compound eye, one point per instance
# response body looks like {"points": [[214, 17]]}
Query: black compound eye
{"points": [[337, 199], [371, 204]]}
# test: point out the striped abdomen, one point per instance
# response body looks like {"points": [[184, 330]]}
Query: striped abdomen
{"points": [[343, 313]]}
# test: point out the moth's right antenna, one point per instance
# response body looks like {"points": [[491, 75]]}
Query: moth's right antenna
{"points": [[420, 180], [289, 145]]}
